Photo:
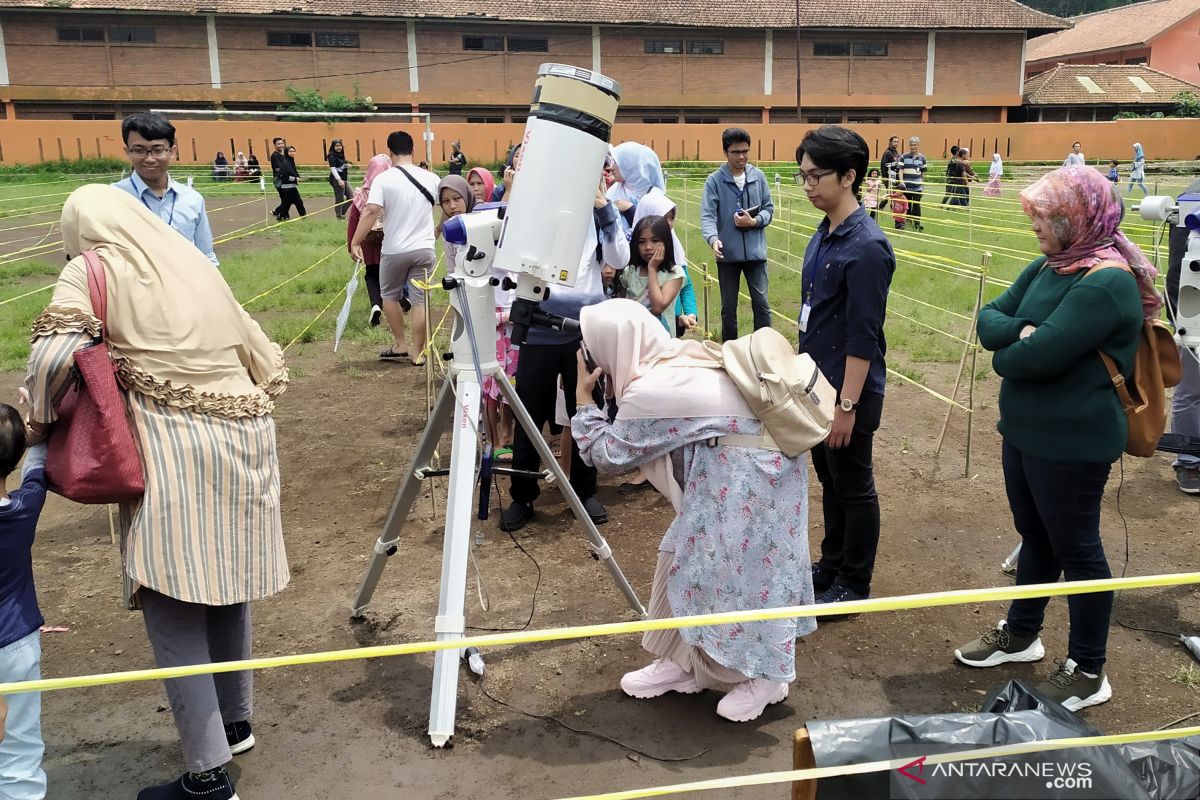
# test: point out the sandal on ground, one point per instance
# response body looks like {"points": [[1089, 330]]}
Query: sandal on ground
{"points": [[391, 355], [503, 453], [419, 361]]}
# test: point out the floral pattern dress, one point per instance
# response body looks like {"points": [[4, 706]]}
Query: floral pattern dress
{"points": [[740, 541]]}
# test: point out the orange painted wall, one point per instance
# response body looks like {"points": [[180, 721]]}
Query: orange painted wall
{"points": [[31, 141], [1177, 52]]}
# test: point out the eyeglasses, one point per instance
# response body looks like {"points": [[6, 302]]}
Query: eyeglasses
{"points": [[813, 178], [141, 152]]}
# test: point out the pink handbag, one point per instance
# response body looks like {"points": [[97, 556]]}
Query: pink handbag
{"points": [[92, 456]]}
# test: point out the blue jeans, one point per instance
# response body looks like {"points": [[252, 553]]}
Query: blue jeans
{"points": [[1185, 405], [1056, 509], [21, 775], [729, 278]]}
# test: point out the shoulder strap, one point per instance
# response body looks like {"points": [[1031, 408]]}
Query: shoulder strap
{"points": [[97, 289], [417, 184], [1114, 374]]}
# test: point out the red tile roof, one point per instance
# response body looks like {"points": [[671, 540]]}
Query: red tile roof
{"points": [[1127, 26], [907, 14], [1104, 84]]}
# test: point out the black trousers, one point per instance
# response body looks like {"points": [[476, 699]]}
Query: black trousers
{"points": [[1056, 509], [914, 206], [538, 370], [287, 199], [849, 500], [373, 291]]}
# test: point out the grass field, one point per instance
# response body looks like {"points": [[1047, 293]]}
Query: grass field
{"points": [[288, 275]]}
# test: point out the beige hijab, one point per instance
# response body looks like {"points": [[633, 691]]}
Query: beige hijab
{"points": [[656, 376], [174, 327]]}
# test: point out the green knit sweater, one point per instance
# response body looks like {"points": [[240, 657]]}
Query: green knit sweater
{"points": [[1057, 401]]}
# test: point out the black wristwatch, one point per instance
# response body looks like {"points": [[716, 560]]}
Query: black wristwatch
{"points": [[849, 406]]}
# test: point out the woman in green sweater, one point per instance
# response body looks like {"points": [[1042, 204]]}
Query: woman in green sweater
{"points": [[1062, 423]]}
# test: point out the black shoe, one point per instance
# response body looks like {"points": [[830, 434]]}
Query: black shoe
{"points": [[212, 785], [239, 737], [629, 489], [405, 303], [515, 516], [823, 578], [376, 312], [838, 594], [595, 510]]}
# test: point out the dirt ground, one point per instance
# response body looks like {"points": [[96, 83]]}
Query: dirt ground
{"points": [[358, 730]]}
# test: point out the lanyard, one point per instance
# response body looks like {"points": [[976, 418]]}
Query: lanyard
{"points": [[171, 218]]}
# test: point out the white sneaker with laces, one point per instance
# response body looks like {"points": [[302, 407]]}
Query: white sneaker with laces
{"points": [[657, 679], [749, 699]]}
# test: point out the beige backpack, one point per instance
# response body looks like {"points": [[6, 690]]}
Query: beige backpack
{"points": [[785, 390]]}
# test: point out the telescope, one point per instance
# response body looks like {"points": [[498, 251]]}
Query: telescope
{"points": [[532, 246], [1184, 212]]}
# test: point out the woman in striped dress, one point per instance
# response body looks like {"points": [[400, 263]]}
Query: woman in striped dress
{"points": [[206, 538]]}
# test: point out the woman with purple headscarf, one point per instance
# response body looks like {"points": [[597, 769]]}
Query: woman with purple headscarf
{"points": [[1062, 423]]}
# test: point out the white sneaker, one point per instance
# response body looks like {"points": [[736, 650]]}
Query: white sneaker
{"points": [[657, 679], [749, 699]]}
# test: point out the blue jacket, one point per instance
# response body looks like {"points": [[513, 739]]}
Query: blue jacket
{"points": [[721, 201], [685, 301], [19, 614]]}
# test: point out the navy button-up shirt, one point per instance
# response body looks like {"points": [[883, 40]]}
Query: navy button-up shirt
{"points": [[847, 274]]}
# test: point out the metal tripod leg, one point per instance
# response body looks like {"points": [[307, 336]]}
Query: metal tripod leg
{"points": [[599, 546], [456, 549], [406, 496]]}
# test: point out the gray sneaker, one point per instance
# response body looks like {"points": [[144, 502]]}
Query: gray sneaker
{"points": [[1075, 690], [998, 646], [1187, 477]]}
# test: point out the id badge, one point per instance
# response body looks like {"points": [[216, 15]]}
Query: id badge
{"points": [[805, 310]]}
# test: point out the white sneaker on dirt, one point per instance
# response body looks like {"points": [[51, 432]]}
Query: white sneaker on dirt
{"points": [[657, 679], [998, 646], [749, 699]]}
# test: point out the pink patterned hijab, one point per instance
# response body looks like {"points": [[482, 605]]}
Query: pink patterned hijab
{"points": [[375, 167], [1085, 211]]}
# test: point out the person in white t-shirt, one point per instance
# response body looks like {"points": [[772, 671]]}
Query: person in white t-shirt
{"points": [[1075, 158], [405, 196]]}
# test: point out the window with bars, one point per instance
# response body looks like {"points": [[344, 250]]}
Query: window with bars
{"points": [[132, 35], [705, 47], [870, 49], [484, 43], [337, 39], [528, 44], [701, 120], [664, 46], [831, 48], [289, 38], [81, 34], [485, 119]]}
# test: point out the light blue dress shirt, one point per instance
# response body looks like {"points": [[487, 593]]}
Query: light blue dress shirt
{"points": [[181, 207]]}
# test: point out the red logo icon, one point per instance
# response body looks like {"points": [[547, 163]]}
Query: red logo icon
{"points": [[919, 764]]}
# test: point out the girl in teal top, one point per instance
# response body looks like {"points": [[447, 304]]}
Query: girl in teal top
{"points": [[1062, 423]]}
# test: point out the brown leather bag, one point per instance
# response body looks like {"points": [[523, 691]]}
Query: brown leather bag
{"points": [[1156, 368]]}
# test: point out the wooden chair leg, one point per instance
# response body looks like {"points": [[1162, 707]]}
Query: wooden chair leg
{"points": [[803, 758]]}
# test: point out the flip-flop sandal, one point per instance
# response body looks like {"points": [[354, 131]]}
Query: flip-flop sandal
{"points": [[419, 361], [391, 355], [503, 454]]}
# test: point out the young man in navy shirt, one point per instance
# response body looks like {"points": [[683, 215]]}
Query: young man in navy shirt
{"points": [[848, 269], [21, 748]]}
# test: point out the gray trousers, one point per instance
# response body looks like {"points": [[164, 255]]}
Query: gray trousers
{"points": [[1185, 405], [189, 633]]}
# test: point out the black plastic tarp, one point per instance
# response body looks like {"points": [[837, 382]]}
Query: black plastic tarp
{"points": [[1014, 713]]}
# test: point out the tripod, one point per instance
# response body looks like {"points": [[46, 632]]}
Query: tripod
{"points": [[457, 408]]}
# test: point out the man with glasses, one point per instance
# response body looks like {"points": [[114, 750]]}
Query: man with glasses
{"points": [[150, 145], [912, 166], [848, 268], [734, 214]]}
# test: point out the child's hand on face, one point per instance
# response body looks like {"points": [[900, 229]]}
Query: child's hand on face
{"points": [[656, 260]]}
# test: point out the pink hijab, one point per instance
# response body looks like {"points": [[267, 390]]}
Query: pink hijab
{"points": [[1085, 212], [654, 375], [375, 167], [489, 182]]}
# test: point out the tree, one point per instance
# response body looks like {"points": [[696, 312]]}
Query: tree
{"points": [[1187, 104], [311, 101]]}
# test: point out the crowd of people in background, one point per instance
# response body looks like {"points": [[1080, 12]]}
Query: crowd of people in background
{"points": [[201, 379]]}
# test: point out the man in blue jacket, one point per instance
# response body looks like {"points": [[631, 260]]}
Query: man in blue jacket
{"points": [[734, 214]]}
